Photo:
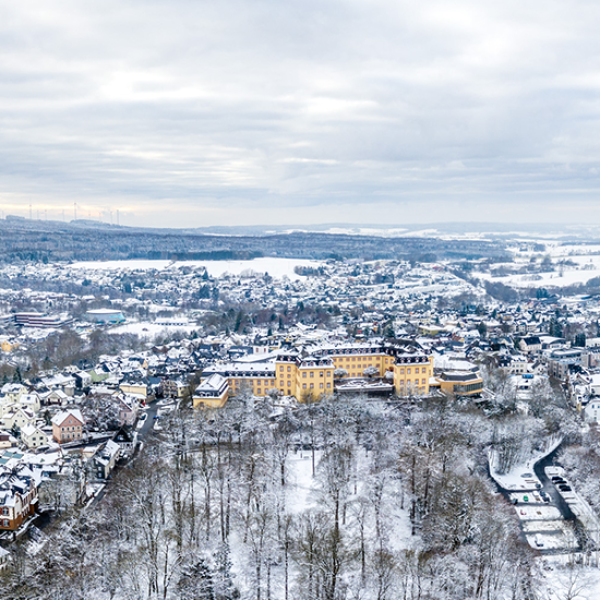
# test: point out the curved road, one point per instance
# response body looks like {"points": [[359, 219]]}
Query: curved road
{"points": [[555, 498]]}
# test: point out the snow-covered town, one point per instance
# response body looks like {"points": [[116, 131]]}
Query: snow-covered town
{"points": [[298, 425], [299, 300]]}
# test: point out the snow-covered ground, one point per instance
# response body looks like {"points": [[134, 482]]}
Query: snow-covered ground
{"points": [[538, 513], [547, 526], [275, 267], [561, 579], [560, 540], [522, 477], [586, 259], [151, 330], [302, 484], [552, 279]]}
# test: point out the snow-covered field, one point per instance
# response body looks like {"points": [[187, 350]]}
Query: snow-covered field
{"points": [[301, 481], [562, 581], [552, 279], [151, 330], [585, 259], [275, 267]]}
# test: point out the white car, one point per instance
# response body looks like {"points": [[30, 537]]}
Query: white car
{"points": [[141, 421]]}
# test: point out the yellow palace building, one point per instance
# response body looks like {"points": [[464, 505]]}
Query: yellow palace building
{"points": [[311, 376]]}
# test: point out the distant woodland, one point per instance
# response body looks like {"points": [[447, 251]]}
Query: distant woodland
{"points": [[48, 241]]}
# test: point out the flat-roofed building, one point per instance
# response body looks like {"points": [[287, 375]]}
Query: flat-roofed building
{"points": [[105, 315]]}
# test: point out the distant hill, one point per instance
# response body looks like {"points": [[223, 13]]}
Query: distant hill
{"points": [[36, 240]]}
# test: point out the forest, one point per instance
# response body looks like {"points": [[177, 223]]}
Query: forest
{"points": [[48, 241], [347, 498]]}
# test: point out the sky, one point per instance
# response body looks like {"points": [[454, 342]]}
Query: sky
{"points": [[194, 113]]}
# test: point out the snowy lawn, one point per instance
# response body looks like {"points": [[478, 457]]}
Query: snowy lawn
{"points": [[302, 487], [560, 581], [150, 330]]}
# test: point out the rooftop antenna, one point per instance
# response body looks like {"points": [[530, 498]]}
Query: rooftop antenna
{"points": [[30, 213], [75, 210]]}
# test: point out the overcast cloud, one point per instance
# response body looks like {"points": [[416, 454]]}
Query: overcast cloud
{"points": [[187, 113]]}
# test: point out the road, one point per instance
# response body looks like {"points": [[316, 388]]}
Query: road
{"points": [[151, 410], [556, 501], [550, 488]]}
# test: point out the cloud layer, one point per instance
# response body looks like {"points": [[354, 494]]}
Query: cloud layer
{"points": [[233, 112]]}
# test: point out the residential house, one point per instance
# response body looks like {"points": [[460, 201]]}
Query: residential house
{"points": [[31, 401], [18, 497], [57, 397], [6, 440], [106, 460], [592, 411], [173, 389], [33, 437], [11, 392], [530, 345], [128, 410], [67, 426], [127, 441], [4, 558], [18, 418], [137, 389]]}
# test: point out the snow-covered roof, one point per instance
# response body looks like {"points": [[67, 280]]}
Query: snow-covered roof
{"points": [[62, 416]]}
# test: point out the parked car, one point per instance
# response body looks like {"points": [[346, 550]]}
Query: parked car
{"points": [[564, 487]]}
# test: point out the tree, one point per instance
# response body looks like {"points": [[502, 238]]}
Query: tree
{"points": [[196, 582]]}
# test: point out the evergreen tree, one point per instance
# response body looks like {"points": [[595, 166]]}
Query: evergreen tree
{"points": [[224, 588], [196, 582]]}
